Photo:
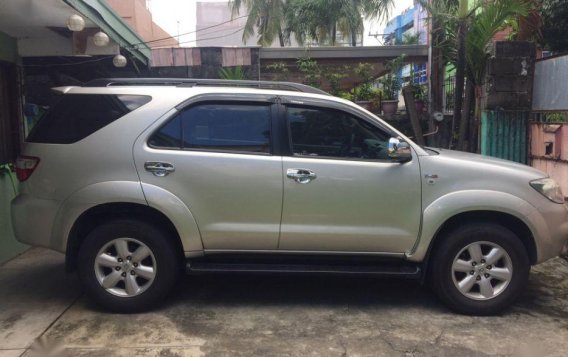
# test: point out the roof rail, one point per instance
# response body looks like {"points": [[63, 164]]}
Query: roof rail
{"points": [[190, 82]]}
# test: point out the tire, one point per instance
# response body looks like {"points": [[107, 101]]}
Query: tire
{"points": [[137, 262], [466, 274]]}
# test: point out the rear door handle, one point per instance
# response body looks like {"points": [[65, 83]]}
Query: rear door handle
{"points": [[301, 175], [159, 169]]}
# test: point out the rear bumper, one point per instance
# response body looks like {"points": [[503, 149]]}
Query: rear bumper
{"points": [[32, 219]]}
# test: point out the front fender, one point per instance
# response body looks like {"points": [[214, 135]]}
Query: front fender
{"points": [[447, 206]]}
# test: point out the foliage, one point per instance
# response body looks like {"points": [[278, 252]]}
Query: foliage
{"points": [[281, 70], [409, 39], [311, 70], [364, 91], [334, 78], [345, 95], [265, 18], [555, 19], [391, 82], [484, 25], [555, 118], [465, 33], [419, 90], [308, 20], [232, 73]]}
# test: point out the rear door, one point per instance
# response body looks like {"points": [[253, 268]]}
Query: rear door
{"points": [[341, 190], [217, 157]]}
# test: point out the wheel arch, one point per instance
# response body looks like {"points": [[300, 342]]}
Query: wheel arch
{"points": [[99, 214], [506, 220]]}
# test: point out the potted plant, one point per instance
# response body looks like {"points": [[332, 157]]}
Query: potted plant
{"points": [[391, 84], [419, 91], [419, 97], [363, 93]]}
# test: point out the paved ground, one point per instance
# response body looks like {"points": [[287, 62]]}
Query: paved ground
{"points": [[276, 316]]}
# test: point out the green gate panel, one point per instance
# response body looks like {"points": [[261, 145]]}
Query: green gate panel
{"points": [[504, 134]]}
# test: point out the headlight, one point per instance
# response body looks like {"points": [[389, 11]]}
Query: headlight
{"points": [[549, 188]]}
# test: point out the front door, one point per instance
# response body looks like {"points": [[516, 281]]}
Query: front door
{"points": [[341, 191]]}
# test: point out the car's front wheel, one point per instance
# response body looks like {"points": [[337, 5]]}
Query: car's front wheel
{"points": [[479, 269], [127, 265]]}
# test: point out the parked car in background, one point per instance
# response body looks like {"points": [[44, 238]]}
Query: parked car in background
{"points": [[137, 180]]}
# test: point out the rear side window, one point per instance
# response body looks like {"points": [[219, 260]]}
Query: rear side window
{"points": [[77, 116], [225, 127]]}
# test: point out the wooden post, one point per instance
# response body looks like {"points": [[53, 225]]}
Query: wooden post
{"points": [[414, 119]]}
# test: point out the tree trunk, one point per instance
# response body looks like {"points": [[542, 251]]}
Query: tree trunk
{"points": [[281, 37], [460, 75], [436, 88], [474, 131], [408, 95], [464, 122], [334, 34], [354, 37]]}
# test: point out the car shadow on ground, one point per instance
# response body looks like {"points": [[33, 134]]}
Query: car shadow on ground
{"points": [[283, 289]]}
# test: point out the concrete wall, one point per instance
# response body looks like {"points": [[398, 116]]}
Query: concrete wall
{"points": [[509, 79], [9, 247], [135, 14], [549, 151]]}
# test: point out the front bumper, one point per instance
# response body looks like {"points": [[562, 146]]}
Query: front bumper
{"points": [[550, 229]]}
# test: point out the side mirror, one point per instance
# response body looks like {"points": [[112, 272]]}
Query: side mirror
{"points": [[399, 150]]}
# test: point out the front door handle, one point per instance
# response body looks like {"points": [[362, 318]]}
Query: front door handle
{"points": [[159, 169], [301, 175]]}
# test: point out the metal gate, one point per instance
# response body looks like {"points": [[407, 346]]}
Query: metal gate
{"points": [[504, 135]]}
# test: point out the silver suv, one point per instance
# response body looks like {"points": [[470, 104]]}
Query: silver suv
{"points": [[137, 180]]}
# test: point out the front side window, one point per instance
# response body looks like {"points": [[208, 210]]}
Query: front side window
{"points": [[319, 132], [225, 127]]}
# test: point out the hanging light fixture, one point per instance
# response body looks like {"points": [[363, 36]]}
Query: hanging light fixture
{"points": [[75, 23], [101, 39], [119, 61]]}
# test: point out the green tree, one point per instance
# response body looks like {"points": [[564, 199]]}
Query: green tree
{"points": [[467, 32], [318, 20], [265, 17], [555, 19]]}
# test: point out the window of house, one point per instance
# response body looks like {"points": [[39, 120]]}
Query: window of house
{"points": [[225, 127], [332, 133]]}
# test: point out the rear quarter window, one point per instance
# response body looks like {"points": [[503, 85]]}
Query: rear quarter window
{"points": [[76, 116]]}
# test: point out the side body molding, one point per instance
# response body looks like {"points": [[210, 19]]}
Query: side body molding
{"points": [[180, 215], [439, 211]]}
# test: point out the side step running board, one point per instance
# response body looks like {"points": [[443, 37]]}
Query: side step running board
{"points": [[400, 271]]}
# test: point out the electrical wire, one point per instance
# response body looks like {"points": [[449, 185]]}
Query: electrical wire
{"points": [[107, 57], [68, 64], [188, 33], [212, 38]]}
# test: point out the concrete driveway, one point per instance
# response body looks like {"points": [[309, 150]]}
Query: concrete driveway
{"points": [[275, 316]]}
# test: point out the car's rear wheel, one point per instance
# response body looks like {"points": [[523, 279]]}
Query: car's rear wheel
{"points": [[479, 269], [128, 265]]}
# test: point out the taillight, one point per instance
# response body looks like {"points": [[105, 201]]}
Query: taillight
{"points": [[25, 166]]}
